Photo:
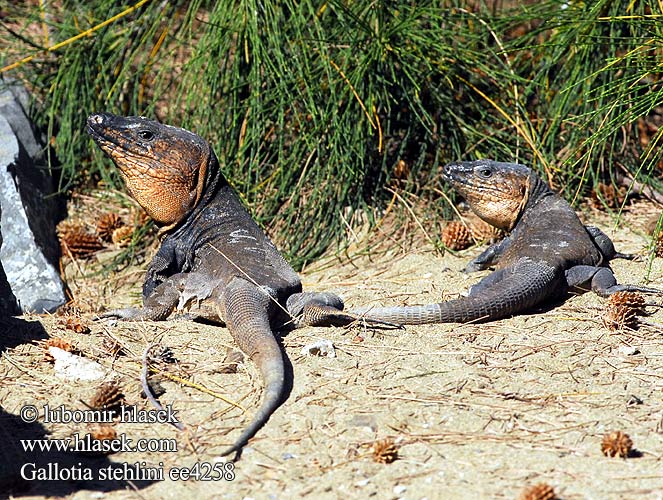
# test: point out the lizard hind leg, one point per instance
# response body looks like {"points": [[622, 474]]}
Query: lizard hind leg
{"points": [[606, 246], [601, 280], [488, 281], [317, 309], [605, 284]]}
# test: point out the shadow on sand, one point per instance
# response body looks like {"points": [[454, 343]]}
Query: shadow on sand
{"points": [[81, 472]]}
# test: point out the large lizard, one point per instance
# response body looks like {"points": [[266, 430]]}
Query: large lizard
{"points": [[547, 253], [214, 260]]}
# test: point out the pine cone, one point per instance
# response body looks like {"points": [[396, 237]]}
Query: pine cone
{"points": [[122, 235], [607, 195], [484, 232], [541, 491], [139, 216], [103, 432], [100, 432], [112, 347], [623, 310], [107, 224], [616, 444], [385, 451], [456, 236], [109, 397], [76, 240], [632, 300], [75, 324], [620, 317], [160, 354], [58, 342]]}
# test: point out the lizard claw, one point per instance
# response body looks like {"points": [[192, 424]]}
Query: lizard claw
{"points": [[473, 267], [126, 314]]}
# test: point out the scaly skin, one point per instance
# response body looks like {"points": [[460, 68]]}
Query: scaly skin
{"points": [[214, 260], [547, 253]]}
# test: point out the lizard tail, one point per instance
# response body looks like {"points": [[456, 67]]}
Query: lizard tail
{"points": [[522, 287], [247, 318]]}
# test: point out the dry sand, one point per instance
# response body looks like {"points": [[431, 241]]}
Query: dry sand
{"points": [[475, 411]]}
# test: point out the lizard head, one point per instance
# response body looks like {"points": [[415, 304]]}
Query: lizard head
{"points": [[163, 167], [497, 192]]}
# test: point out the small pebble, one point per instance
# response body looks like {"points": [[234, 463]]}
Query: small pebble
{"points": [[399, 489], [320, 348], [628, 350]]}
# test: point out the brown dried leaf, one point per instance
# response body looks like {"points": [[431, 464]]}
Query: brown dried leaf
{"points": [[58, 342]]}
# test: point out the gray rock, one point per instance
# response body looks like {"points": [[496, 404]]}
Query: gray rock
{"points": [[8, 304], [29, 252], [13, 103]]}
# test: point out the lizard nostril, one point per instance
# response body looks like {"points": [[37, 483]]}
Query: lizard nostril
{"points": [[96, 118]]}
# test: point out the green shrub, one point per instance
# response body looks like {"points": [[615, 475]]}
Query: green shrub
{"points": [[314, 107]]}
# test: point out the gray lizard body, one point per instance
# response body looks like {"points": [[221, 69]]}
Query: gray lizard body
{"points": [[214, 260], [548, 252]]}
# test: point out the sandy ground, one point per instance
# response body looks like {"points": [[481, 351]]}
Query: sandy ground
{"points": [[474, 411]]}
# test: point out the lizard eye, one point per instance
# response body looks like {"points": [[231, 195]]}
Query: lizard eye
{"points": [[485, 172], [146, 135]]}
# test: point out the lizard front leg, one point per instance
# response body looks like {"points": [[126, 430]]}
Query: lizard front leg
{"points": [[158, 306], [489, 256], [163, 265]]}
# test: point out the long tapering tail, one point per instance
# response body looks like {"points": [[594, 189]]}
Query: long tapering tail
{"points": [[247, 318], [501, 294]]}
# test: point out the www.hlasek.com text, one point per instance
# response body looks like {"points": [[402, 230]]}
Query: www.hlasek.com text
{"points": [[87, 444]]}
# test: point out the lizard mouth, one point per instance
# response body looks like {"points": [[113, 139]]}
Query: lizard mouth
{"points": [[111, 136], [96, 128], [455, 174]]}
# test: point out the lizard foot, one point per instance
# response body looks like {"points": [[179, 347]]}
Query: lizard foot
{"points": [[126, 314]]}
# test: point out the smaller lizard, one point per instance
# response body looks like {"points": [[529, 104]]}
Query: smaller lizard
{"points": [[548, 252], [214, 260]]}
